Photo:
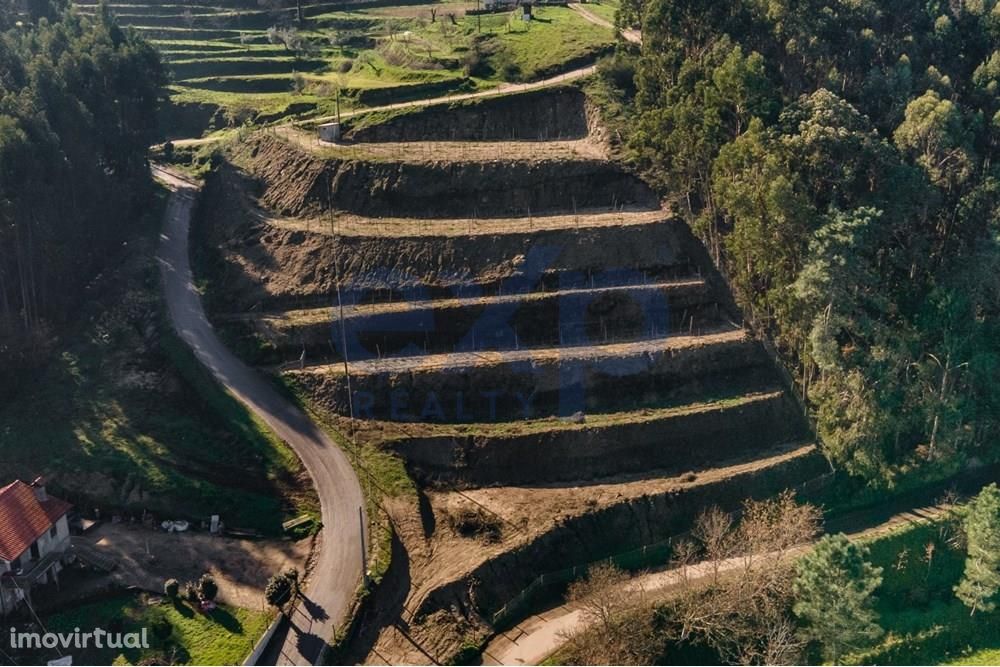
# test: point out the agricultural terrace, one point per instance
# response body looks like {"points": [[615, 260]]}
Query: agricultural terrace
{"points": [[239, 60]]}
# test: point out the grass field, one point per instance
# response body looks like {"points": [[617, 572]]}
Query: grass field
{"points": [[235, 61], [141, 425], [606, 9], [925, 623], [177, 633]]}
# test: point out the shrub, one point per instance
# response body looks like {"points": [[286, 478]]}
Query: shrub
{"points": [[292, 575], [279, 590], [191, 592], [162, 629], [207, 587], [476, 64], [171, 588], [477, 524], [619, 71]]}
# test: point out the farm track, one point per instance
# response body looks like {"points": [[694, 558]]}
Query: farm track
{"points": [[542, 634], [328, 314], [437, 152], [341, 223], [630, 35], [566, 354]]}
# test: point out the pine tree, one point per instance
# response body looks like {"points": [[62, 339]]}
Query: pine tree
{"points": [[981, 581], [833, 596]]}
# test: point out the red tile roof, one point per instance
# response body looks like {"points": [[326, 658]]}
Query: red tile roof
{"points": [[23, 519]]}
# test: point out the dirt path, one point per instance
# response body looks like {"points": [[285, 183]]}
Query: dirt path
{"points": [[540, 635], [338, 568], [351, 224], [587, 148], [453, 360], [146, 558], [630, 35], [327, 314], [502, 89]]}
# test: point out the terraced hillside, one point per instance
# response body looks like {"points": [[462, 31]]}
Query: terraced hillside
{"points": [[548, 352], [239, 60]]}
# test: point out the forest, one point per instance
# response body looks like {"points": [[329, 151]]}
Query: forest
{"points": [[837, 160], [77, 113]]}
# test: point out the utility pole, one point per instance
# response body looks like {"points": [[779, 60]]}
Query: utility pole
{"points": [[364, 551], [347, 374]]}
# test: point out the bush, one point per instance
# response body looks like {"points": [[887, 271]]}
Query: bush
{"points": [[162, 629], [171, 588], [207, 587], [619, 71], [279, 590], [477, 64], [191, 593], [292, 575], [476, 523]]}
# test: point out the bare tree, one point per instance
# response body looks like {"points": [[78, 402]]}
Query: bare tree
{"points": [[602, 595], [618, 622], [713, 529], [740, 607]]}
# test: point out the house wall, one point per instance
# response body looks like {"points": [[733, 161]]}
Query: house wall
{"points": [[8, 598], [46, 543]]}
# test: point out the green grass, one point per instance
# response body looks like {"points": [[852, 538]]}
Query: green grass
{"points": [[606, 9], [990, 656], [222, 57], [924, 622], [595, 420], [557, 36], [225, 636], [139, 424]]}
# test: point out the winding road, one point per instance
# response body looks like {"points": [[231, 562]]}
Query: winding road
{"points": [[338, 568]]}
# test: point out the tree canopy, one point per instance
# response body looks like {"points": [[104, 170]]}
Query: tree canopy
{"points": [[78, 98], [833, 596], [838, 160], [981, 581]]}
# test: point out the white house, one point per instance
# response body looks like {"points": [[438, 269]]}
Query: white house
{"points": [[34, 539]]}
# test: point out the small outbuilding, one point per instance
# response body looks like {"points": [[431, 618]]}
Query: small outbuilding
{"points": [[329, 132]]}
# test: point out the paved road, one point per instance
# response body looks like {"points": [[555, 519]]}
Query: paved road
{"points": [[337, 571], [542, 634]]}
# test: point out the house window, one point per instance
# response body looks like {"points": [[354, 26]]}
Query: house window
{"points": [[52, 531]]}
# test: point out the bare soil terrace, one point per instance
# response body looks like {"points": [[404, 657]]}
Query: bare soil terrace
{"points": [[438, 152], [451, 233]]}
